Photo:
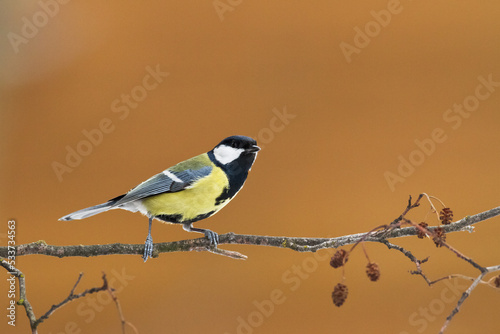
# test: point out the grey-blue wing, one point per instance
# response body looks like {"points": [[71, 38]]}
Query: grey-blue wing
{"points": [[165, 182]]}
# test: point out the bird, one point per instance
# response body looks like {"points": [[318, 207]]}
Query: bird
{"points": [[188, 192]]}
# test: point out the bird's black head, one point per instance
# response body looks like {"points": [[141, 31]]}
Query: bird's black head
{"points": [[243, 142], [236, 149]]}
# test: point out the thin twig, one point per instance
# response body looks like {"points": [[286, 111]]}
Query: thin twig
{"points": [[120, 312], [466, 294], [463, 257], [223, 252], [72, 292], [405, 252], [72, 297], [433, 208]]}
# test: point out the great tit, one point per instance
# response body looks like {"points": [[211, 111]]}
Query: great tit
{"points": [[192, 190]]}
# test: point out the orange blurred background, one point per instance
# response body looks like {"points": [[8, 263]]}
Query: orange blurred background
{"points": [[356, 106]]}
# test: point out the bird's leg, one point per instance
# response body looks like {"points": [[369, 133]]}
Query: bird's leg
{"points": [[212, 237], [148, 246]]}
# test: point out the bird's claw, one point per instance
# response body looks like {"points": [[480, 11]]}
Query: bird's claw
{"points": [[212, 237], [148, 248]]}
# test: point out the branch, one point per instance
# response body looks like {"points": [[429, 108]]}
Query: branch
{"points": [[120, 312], [202, 244], [34, 322], [22, 292], [72, 297], [467, 294], [475, 281]]}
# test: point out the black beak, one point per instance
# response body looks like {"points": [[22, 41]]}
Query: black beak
{"points": [[253, 149]]}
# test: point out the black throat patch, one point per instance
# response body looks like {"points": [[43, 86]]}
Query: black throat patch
{"points": [[236, 171]]}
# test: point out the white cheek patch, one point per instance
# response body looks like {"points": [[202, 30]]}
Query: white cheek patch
{"points": [[226, 154]]}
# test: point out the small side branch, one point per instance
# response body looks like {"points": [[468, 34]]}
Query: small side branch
{"points": [[475, 281], [72, 296], [22, 293], [23, 300], [466, 294], [120, 312], [405, 252]]}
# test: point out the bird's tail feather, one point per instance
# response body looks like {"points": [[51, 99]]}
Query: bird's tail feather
{"points": [[93, 210]]}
